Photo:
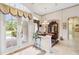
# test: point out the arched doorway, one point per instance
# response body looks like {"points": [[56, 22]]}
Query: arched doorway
{"points": [[53, 29]]}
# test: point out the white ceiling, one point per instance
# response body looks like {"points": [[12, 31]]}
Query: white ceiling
{"points": [[45, 8]]}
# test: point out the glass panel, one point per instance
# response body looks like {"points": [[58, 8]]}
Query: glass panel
{"points": [[11, 30], [24, 31]]}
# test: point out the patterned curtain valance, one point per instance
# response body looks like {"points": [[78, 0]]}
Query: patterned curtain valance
{"points": [[25, 14], [30, 16], [20, 13], [4, 8], [13, 11]]}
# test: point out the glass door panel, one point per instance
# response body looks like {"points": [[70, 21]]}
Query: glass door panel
{"points": [[10, 30], [24, 31]]}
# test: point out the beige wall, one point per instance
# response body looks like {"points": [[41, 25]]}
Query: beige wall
{"points": [[62, 16]]}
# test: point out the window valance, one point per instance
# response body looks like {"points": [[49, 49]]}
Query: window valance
{"points": [[13, 11], [20, 13], [30, 16], [4, 8], [25, 14]]}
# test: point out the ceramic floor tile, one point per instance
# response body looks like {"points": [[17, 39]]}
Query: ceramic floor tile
{"points": [[28, 51], [61, 48]]}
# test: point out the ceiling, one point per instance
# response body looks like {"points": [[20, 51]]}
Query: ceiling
{"points": [[45, 8]]}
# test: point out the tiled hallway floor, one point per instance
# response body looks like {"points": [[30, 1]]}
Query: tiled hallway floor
{"points": [[60, 49]]}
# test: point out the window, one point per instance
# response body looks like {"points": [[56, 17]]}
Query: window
{"points": [[11, 30]]}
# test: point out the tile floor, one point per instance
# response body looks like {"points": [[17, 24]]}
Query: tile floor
{"points": [[28, 51], [62, 48]]}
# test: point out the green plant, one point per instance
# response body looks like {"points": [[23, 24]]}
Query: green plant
{"points": [[10, 25], [14, 33], [35, 35]]}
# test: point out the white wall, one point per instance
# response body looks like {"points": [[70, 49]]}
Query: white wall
{"points": [[62, 16]]}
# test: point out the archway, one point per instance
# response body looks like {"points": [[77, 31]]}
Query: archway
{"points": [[53, 29]]}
